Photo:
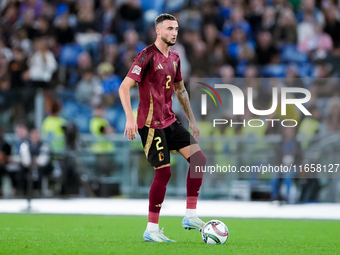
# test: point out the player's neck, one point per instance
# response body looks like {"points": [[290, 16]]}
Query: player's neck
{"points": [[162, 47]]}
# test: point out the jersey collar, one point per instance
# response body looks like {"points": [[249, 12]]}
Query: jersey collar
{"points": [[160, 51]]}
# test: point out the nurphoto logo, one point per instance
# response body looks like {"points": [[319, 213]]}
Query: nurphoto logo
{"points": [[238, 104]]}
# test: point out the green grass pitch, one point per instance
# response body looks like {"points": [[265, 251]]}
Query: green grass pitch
{"points": [[78, 234]]}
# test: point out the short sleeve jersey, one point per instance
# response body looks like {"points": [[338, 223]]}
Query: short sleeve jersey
{"points": [[156, 75]]}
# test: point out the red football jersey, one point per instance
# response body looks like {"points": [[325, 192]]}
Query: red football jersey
{"points": [[156, 75]]}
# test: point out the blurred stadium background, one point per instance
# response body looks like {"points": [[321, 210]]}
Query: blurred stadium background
{"points": [[61, 64]]}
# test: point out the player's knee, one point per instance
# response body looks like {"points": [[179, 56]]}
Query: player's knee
{"points": [[164, 172], [203, 158], [198, 158]]}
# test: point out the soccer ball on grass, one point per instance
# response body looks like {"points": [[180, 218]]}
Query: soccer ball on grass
{"points": [[215, 232]]}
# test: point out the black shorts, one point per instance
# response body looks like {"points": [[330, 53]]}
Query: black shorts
{"points": [[158, 143]]}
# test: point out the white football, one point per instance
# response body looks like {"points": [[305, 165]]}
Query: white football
{"points": [[215, 232]]}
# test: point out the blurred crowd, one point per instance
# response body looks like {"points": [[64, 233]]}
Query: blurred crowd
{"points": [[87, 46]]}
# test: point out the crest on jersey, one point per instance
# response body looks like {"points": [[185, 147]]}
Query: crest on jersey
{"points": [[136, 69], [160, 156], [175, 65]]}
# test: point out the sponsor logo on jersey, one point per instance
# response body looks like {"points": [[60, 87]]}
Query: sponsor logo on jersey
{"points": [[159, 66], [136, 69]]}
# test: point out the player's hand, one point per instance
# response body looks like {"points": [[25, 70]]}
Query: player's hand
{"points": [[131, 129], [195, 131]]}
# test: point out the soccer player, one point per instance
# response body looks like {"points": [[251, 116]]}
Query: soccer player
{"points": [[157, 72]]}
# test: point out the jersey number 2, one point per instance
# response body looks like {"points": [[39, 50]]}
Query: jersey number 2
{"points": [[159, 140], [167, 86]]}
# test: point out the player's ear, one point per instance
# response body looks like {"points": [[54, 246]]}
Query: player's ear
{"points": [[158, 30]]}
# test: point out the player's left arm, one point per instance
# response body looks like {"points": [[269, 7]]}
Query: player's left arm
{"points": [[183, 99]]}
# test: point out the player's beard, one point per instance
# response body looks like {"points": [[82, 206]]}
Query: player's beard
{"points": [[167, 41]]}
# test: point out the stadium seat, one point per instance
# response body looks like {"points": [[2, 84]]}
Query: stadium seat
{"points": [[306, 70], [70, 110], [111, 114], [152, 5], [82, 123], [67, 95], [69, 55], [273, 71], [322, 103], [290, 54], [174, 6], [241, 68]]}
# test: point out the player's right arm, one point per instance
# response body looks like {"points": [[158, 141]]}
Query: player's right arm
{"points": [[131, 128]]}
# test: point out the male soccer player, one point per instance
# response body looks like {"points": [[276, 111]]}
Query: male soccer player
{"points": [[156, 69]]}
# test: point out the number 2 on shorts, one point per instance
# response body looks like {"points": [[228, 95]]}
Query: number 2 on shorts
{"points": [[159, 140]]}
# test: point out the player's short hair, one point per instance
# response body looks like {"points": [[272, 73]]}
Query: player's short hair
{"points": [[162, 17]]}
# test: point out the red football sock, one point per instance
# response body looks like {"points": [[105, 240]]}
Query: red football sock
{"points": [[157, 192], [194, 179]]}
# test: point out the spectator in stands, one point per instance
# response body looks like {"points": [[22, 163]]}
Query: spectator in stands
{"points": [[225, 9], [110, 83], [42, 64], [100, 127], [129, 16], [237, 20], [5, 154], [86, 17], [27, 23], [332, 26], [240, 49], [110, 50], [126, 62], [333, 58], [40, 161], [285, 33], [89, 88], [319, 42], [3, 67], [6, 99], [217, 58], [43, 27], [261, 97], [34, 5], [208, 14], [333, 117], [305, 29], [105, 14], [5, 51], [8, 17], [266, 51], [131, 42], [255, 15], [18, 69], [5, 84], [310, 125], [63, 32], [308, 7], [52, 127], [268, 20], [84, 62], [210, 35], [21, 132], [20, 40], [293, 80], [227, 72], [196, 50], [288, 152]]}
